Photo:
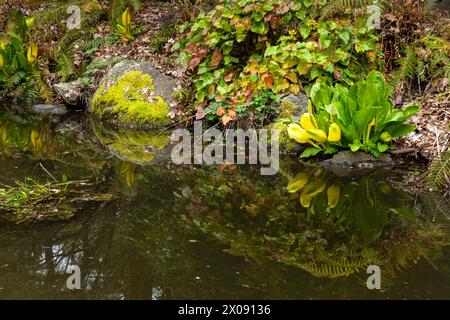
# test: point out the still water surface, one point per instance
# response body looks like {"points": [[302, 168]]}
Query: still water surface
{"points": [[212, 232]]}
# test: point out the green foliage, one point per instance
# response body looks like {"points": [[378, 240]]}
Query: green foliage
{"points": [[19, 76], [61, 55], [159, 40], [91, 70], [259, 110], [335, 7], [364, 114], [244, 46], [425, 61], [438, 172]]}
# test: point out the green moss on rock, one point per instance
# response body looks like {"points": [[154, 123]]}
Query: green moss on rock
{"points": [[286, 143], [287, 109], [131, 99]]}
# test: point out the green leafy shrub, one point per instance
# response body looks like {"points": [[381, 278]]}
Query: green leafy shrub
{"points": [[19, 75], [359, 118], [260, 109], [245, 46]]}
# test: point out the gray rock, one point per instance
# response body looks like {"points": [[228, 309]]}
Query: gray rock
{"points": [[69, 92], [165, 86], [48, 109], [348, 159], [300, 102]]}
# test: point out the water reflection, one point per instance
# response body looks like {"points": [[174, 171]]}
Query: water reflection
{"points": [[214, 231]]}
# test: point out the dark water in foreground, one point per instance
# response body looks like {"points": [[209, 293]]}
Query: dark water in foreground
{"points": [[218, 232]]}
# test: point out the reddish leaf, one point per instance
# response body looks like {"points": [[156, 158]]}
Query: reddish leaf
{"points": [[229, 76], [232, 114], [194, 62], [336, 74], [248, 8], [268, 79], [274, 21], [226, 119], [216, 59], [281, 9], [249, 95], [220, 111]]}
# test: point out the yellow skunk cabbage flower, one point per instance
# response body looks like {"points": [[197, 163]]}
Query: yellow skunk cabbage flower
{"points": [[297, 133], [126, 18], [305, 199], [29, 21], [318, 135], [32, 53], [333, 195], [308, 122], [1, 61], [2, 44], [385, 136], [369, 129], [334, 133], [298, 182]]}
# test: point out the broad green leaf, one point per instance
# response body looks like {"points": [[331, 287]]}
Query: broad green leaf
{"points": [[309, 152], [259, 27]]}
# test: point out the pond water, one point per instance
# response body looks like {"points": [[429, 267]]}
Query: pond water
{"points": [[212, 232]]}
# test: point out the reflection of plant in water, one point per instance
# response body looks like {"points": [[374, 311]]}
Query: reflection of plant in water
{"points": [[136, 146], [37, 136], [328, 226], [127, 172]]}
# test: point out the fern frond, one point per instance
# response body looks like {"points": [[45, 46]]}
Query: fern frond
{"points": [[439, 172], [45, 92], [65, 66], [335, 7], [430, 5], [337, 266], [135, 4]]}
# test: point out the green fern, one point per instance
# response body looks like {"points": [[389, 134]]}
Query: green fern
{"points": [[336, 7], [45, 92], [430, 5], [438, 176], [337, 266], [425, 60], [64, 66]]}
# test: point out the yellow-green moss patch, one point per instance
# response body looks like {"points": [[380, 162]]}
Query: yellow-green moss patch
{"points": [[131, 99], [284, 139]]}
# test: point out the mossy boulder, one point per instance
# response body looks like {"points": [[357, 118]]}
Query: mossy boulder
{"points": [[293, 106], [134, 93]]}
